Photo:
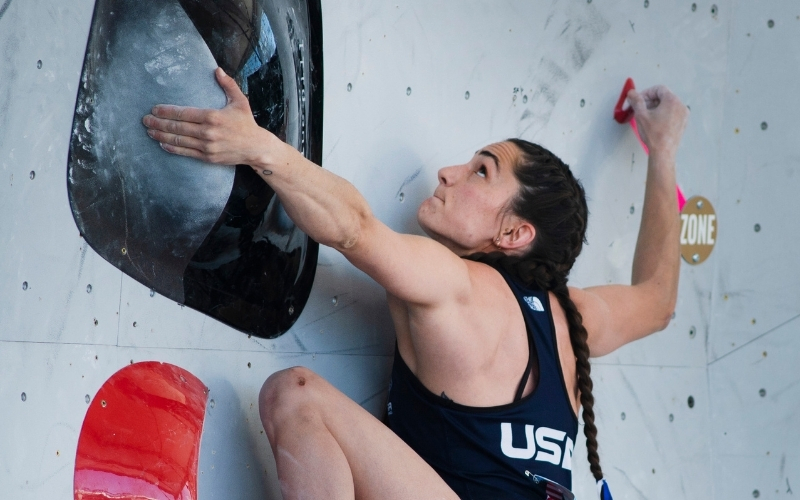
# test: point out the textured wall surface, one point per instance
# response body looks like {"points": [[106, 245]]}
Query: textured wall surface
{"points": [[410, 87]]}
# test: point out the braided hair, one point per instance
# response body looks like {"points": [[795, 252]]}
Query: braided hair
{"points": [[554, 202]]}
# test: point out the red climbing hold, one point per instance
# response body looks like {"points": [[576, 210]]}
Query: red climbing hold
{"points": [[623, 114], [141, 436]]}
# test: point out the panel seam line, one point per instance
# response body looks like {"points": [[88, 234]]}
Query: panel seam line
{"points": [[756, 338]]}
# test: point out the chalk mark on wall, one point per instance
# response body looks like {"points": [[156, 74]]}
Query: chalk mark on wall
{"points": [[630, 482], [408, 181], [575, 34], [4, 8]]}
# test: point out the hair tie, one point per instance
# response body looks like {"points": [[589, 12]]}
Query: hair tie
{"points": [[602, 490]]}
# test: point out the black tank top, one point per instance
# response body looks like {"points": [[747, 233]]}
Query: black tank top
{"points": [[484, 452]]}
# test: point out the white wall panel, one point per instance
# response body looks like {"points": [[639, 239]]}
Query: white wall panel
{"points": [[652, 444], [753, 343], [41, 245], [756, 286], [755, 393]]}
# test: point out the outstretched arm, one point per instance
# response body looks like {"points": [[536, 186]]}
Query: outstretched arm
{"points": [[617, 314], [322, 204]]}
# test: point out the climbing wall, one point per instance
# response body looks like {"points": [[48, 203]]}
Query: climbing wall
{"points": [[753, 340], [704, 409]]}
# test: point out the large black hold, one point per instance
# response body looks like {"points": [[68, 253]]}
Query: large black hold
{"points": [[214, 238]]}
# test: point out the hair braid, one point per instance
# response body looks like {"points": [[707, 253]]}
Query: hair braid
{"points": [[578, 338], [550, 279], [554, 201]]}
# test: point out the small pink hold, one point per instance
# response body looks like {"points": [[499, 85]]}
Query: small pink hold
{"points": [[681, 198]]}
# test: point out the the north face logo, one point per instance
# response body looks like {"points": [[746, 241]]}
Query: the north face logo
{"points": [[534, 303]]}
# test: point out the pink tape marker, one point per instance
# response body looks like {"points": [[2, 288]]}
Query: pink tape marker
{"points": [[623, 113]]}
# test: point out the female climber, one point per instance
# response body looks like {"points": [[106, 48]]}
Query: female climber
{"points": [[493, 346]]}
